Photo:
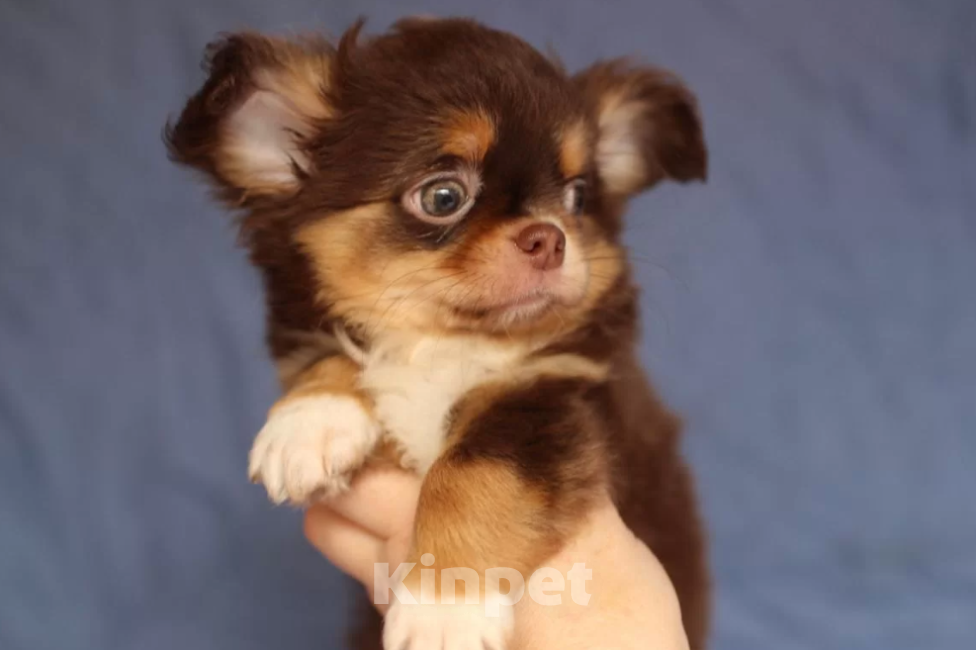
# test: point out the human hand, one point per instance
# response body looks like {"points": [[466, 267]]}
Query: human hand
{"points": [[632, 603]]}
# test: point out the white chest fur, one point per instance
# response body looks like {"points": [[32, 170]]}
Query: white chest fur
{"points": [[416, 380]]}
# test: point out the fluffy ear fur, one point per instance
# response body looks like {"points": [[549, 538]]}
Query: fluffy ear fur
{"points": [[248, 127], [648, 124]]}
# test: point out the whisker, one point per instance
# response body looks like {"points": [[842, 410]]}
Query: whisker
{"points": [[402, 299], [390, 284]]}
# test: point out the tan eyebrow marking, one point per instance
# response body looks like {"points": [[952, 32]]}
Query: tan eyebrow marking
{"points": [[573, 149], [469, 135]]}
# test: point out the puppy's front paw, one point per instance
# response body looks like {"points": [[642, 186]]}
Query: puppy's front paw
{"points": [[310, 447], [445, 627]]}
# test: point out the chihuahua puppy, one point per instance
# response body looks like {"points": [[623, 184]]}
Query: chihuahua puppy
{"points": [[436, 213]]}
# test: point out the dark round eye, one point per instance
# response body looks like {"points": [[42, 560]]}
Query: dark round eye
{"points": [[442, 198], [574, 196]]}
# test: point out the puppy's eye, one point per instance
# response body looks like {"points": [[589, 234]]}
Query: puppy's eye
{"points": [[442, 198], [574, 196]]}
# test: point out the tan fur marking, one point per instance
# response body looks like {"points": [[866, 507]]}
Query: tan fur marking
{"points": [[337, 375], [312, 347], [606, 264], [469, 135], [495, 520], [303, 77], [574, 149], [369, 290]]}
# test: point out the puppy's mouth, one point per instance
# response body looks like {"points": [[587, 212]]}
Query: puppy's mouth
{"points": [[521, 307]]}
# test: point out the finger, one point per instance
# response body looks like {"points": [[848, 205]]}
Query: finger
{"points": [[348, 546], [383, 501]]}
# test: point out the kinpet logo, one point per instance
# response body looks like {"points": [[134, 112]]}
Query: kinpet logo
{"points": [[546, 586]]}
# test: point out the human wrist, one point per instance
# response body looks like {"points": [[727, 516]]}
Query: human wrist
{"points": [[630, 601]]}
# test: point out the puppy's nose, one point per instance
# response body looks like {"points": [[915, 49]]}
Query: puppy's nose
{"points": [[544, 243]]}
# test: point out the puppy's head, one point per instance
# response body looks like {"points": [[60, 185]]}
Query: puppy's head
{"points": [[441, 177]]}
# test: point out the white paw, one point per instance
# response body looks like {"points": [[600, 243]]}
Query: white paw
{"points": [[310, 447], [445, 627]]}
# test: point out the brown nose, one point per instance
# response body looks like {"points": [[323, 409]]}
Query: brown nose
{"points": [[544, 243]]}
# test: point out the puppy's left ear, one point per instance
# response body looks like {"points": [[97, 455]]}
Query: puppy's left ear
{"points": [[649, 127]]}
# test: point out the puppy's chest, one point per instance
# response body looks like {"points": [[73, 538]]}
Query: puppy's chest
{"points": [[415, 384]]}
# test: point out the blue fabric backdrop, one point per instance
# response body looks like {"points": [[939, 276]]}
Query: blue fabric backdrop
{"points": [[810, 311]]}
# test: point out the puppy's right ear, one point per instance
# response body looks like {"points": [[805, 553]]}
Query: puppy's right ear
{"points": [[249, 126]]}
